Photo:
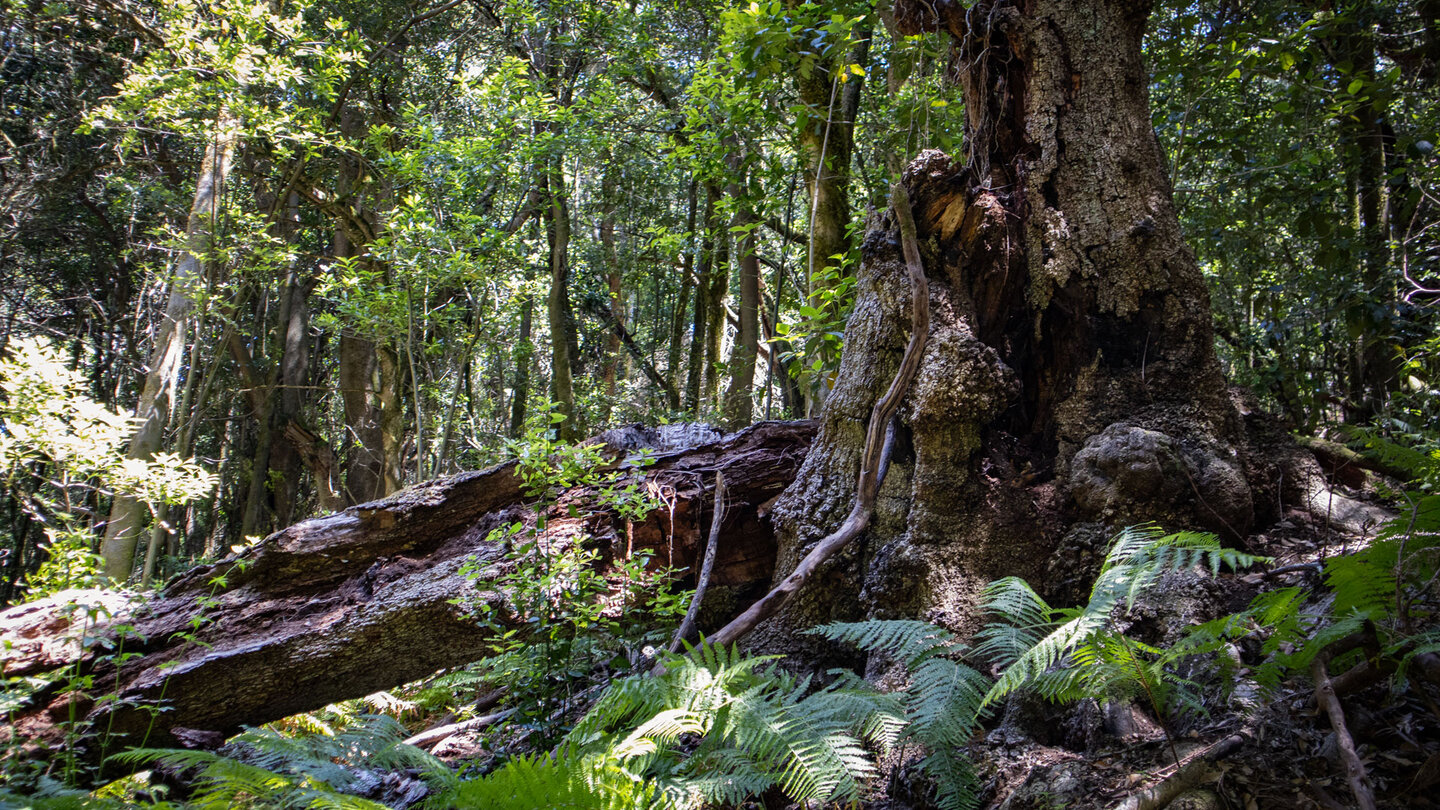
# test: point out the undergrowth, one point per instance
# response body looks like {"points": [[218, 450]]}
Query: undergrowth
{"points": [[717, 728]]}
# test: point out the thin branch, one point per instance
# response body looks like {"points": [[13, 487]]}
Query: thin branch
{"points": [[1354, 768], [703, 582]]}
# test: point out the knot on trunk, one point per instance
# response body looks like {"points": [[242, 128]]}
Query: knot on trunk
{"points": [[1132, 474]]}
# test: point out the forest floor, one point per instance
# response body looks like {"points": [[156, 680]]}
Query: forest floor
{"points": [[1279, 750], [1247, 750]]}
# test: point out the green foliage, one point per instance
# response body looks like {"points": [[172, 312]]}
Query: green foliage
{"points": [[942, 706], [1383, 589], [566, 617], [564, 780], [721, 727], [1065, 654], [267, 768], [59, 448]]}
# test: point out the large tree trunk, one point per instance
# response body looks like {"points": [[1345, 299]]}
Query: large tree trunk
{"points": [[152, 412], [345, 605], [1069, 383]]}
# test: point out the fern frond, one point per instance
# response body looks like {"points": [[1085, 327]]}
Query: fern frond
{"points": [[1020, 618], [1364, 582], [817, 760], [944, 702], [906, 640], [1138, 556], [542, 782], [956, 785]]}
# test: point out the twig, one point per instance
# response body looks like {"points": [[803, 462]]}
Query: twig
{"points": [[718, 517], [1354, 768], [432, 736], [874, 458], [1194, 770]]}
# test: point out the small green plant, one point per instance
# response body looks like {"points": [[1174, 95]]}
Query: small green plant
{"points": [[566, 616]]}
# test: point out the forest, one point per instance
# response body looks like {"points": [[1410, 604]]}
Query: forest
{"points": [[893, 404]]}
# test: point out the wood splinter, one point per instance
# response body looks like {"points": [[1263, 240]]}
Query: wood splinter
{"points": [[876, 454]]}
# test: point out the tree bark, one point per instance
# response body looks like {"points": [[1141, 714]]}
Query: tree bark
{"points": [[345, 605], [699, 335], [739, 405], [558, 310], [364, 465], [1069, 380], [127, 515]]}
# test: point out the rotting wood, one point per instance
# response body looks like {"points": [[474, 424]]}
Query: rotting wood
{"points": [[687, 625], [874, 455], [345, 605]]}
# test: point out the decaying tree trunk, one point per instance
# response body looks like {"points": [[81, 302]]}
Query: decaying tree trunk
{"points": [[1069, 383], [342, 606]]}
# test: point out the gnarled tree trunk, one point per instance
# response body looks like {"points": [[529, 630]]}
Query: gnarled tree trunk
{"points": [[1069, 383]]}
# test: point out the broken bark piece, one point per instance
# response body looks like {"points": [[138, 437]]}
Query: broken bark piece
{"points": [[345, 605]]}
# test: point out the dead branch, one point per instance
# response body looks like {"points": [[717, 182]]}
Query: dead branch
{"points": [[430, 737], [688, 624], [1354, 768], [1191, 772]]}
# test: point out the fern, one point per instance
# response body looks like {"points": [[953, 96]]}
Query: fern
{"points": [[715, 727], [568, 780], [312, 770], [942, 705], [1066, 653]]}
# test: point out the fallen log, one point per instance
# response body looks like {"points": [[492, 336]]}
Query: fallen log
{"points": [[345, 605]]}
